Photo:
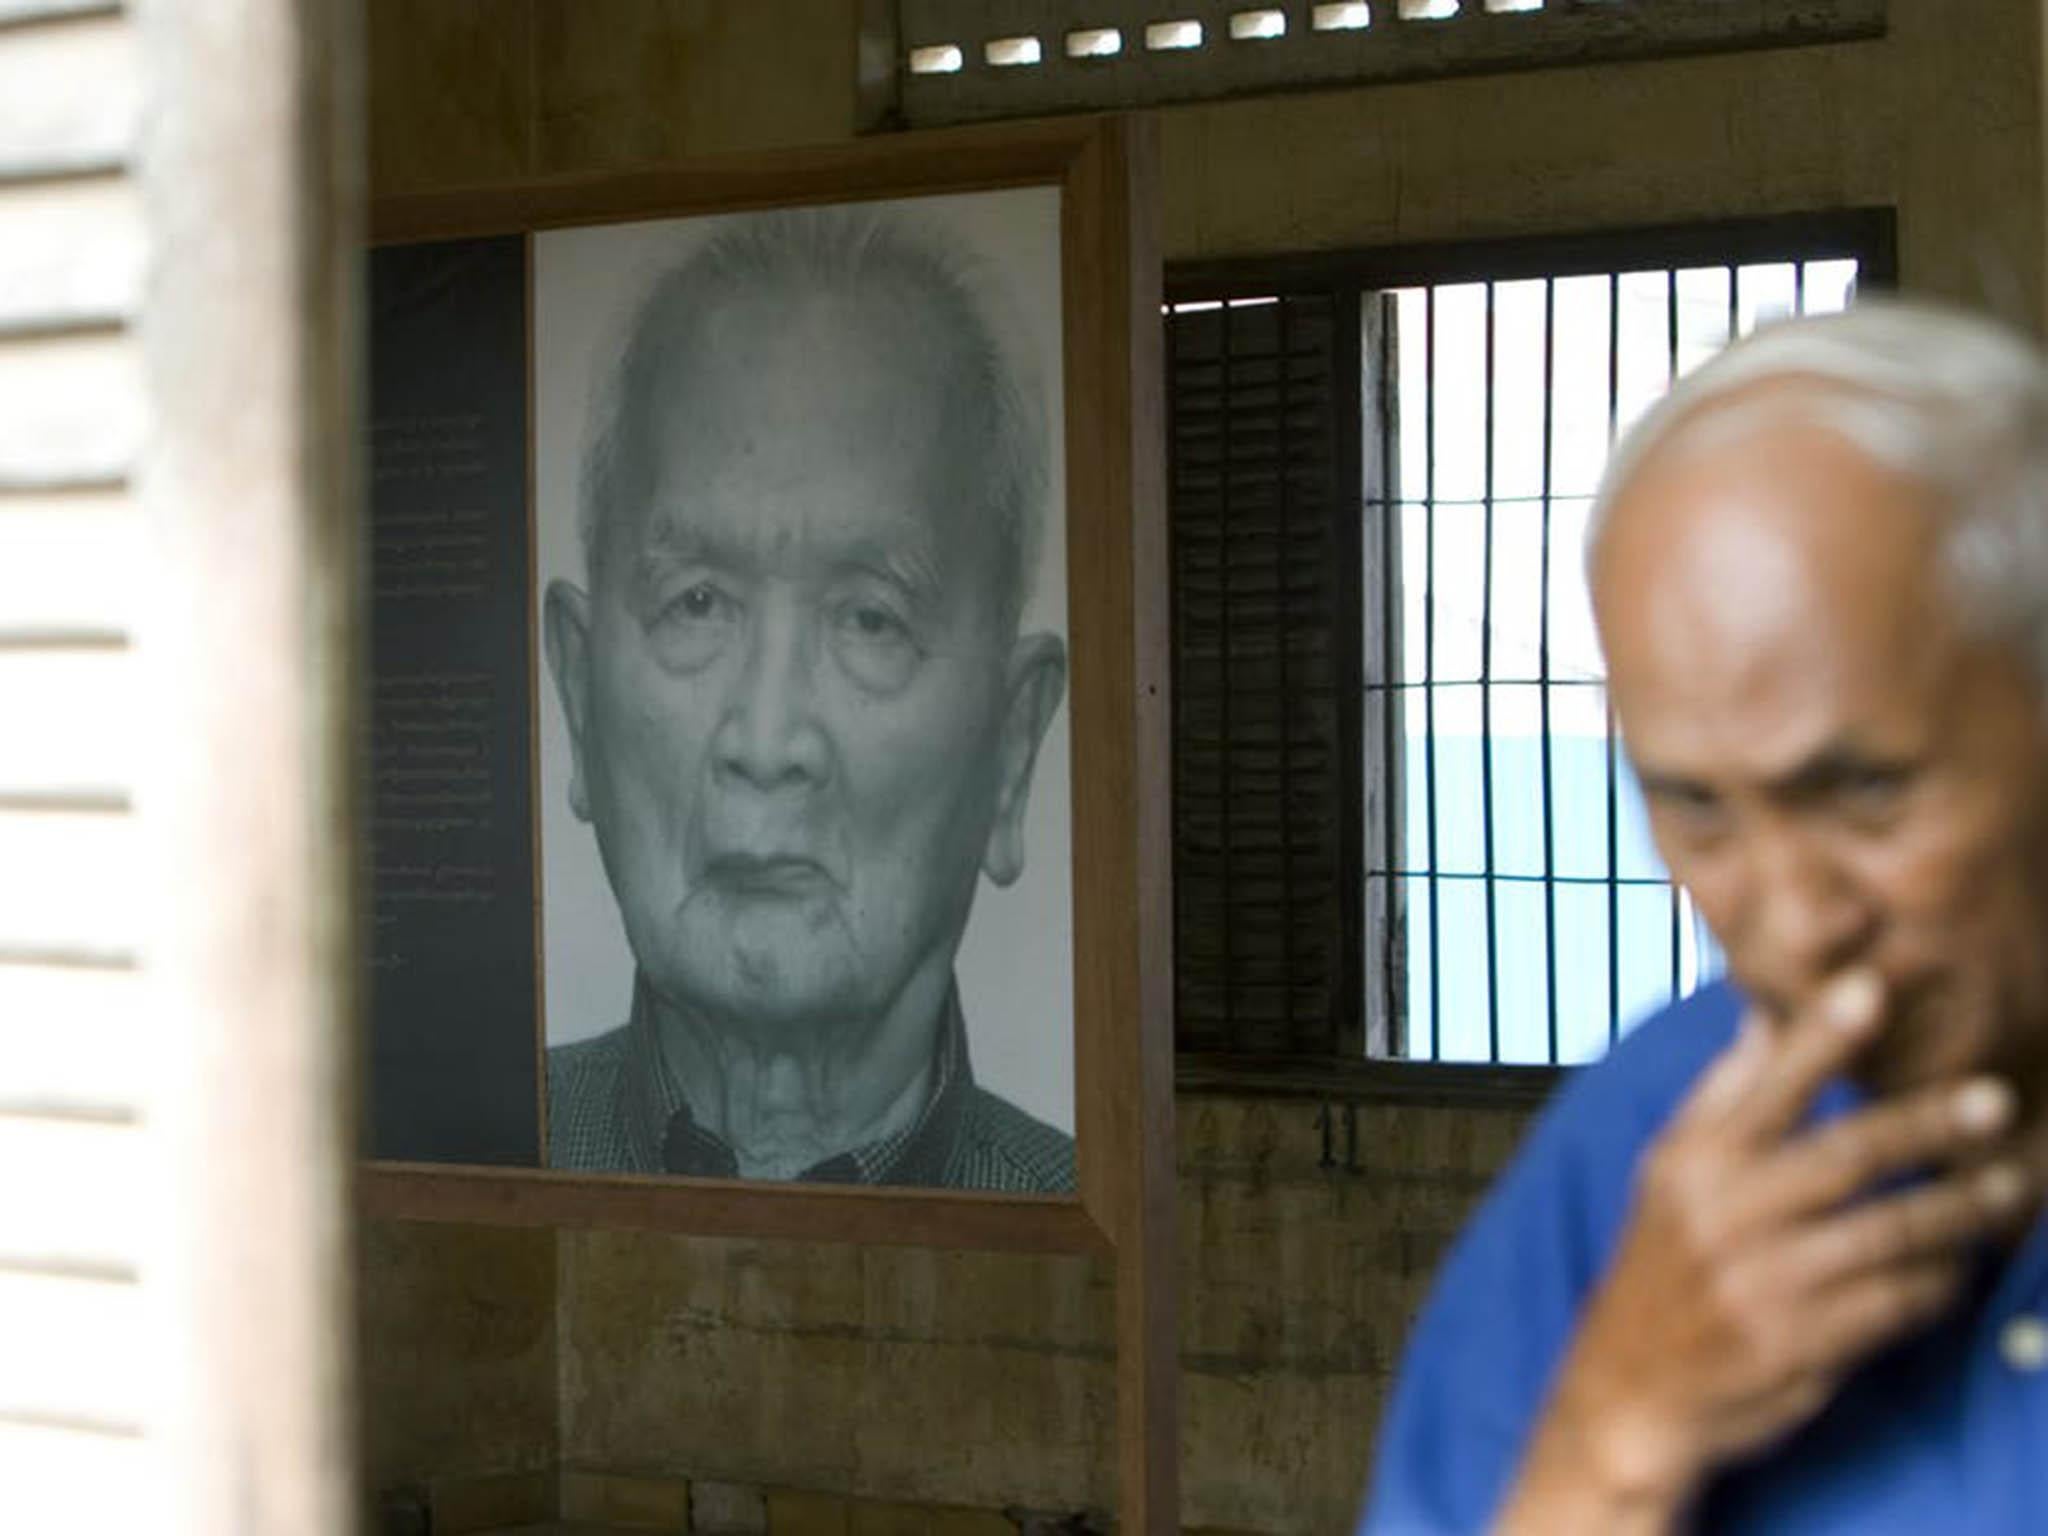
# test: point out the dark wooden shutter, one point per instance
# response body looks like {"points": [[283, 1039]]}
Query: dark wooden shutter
{"points": [[1262, 403]]}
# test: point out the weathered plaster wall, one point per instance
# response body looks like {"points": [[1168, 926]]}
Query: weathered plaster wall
{"points": [[1942, 119], [458, 1355], [464, 92], [940, 1378], [985, 1380]]}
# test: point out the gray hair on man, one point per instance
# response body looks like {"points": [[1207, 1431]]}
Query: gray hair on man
{"points": [[854, 254], [1945, 398]]}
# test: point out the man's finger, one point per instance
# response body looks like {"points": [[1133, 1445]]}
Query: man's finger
{"points": [[1732, 1076], [1815, 1045], [1850, 1322], [1842, 1159], [1938, 1220]]}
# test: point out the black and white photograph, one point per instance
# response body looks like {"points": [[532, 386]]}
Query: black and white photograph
{"points": [[804, 784]]}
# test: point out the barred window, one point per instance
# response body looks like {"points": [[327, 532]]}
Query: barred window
{"points": [[1404, 828]]}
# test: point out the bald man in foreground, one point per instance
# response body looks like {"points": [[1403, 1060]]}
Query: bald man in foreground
{"points": [[1780, 1263]]}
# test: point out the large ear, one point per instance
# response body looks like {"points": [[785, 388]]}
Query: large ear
{"points": [[1037, 683], [566, 631]]}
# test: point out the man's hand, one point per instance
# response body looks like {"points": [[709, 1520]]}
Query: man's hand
{"points": [[1751, 1278]]}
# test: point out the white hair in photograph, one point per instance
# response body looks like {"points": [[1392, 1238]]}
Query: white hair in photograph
{"points": [[854, 253], [1951, 400]]}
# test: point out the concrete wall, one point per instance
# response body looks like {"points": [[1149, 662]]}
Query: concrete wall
{"points": [[985, 1381], [930, 1378], [1942, 120], [949, 1378], [459, 1363]]}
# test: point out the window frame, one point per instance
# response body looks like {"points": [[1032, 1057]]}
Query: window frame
{"points": [[1345, 277]]}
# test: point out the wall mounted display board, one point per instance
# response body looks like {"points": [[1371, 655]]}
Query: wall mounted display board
{"points": [[768, 718], [768, 734]]}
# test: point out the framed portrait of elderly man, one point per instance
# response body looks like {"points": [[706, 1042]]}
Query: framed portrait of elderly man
{"points": [[804, 767], [769, 697]]}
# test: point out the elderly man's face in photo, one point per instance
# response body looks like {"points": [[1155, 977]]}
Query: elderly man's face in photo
{"points": [[1840, 764], [804, 724]]}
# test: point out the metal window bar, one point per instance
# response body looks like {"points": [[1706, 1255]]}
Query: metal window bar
{"points": [[1486, 689], [1394, 942], [1436, 973], [1671, 378], [1607, 705], [1509, 877], [1416, 685], [1543, 674], [1684, 960]]}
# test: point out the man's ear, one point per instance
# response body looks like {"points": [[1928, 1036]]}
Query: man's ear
{"points": [[1037, 683], [566, 632]]}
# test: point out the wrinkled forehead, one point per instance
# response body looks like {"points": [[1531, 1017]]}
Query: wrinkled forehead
{"points": [[808, 419], [872, 371]]}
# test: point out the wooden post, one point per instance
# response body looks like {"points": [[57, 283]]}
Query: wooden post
{"points": [[1148, 1250], [1115, 408], [249, 636]]}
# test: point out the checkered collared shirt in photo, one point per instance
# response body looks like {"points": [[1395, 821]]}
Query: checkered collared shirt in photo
{"points": [[614, 1107]]}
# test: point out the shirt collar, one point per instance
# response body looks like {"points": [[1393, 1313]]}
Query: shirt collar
{"points": [[663, 1136]]}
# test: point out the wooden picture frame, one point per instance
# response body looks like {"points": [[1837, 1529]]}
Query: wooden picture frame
{"points": [[1117, 628]]}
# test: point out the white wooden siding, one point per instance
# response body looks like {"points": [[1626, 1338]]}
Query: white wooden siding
{"points": [[69, 564], [91, 691], [93, 1064], [83, 1479], [70, 253], [75, 1145], [68, 96], [74, 409]]}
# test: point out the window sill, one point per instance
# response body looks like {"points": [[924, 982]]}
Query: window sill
{"points": [[1448, 1084]]}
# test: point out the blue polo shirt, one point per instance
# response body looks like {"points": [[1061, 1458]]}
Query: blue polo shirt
{"points": [[1947, 1432]]}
